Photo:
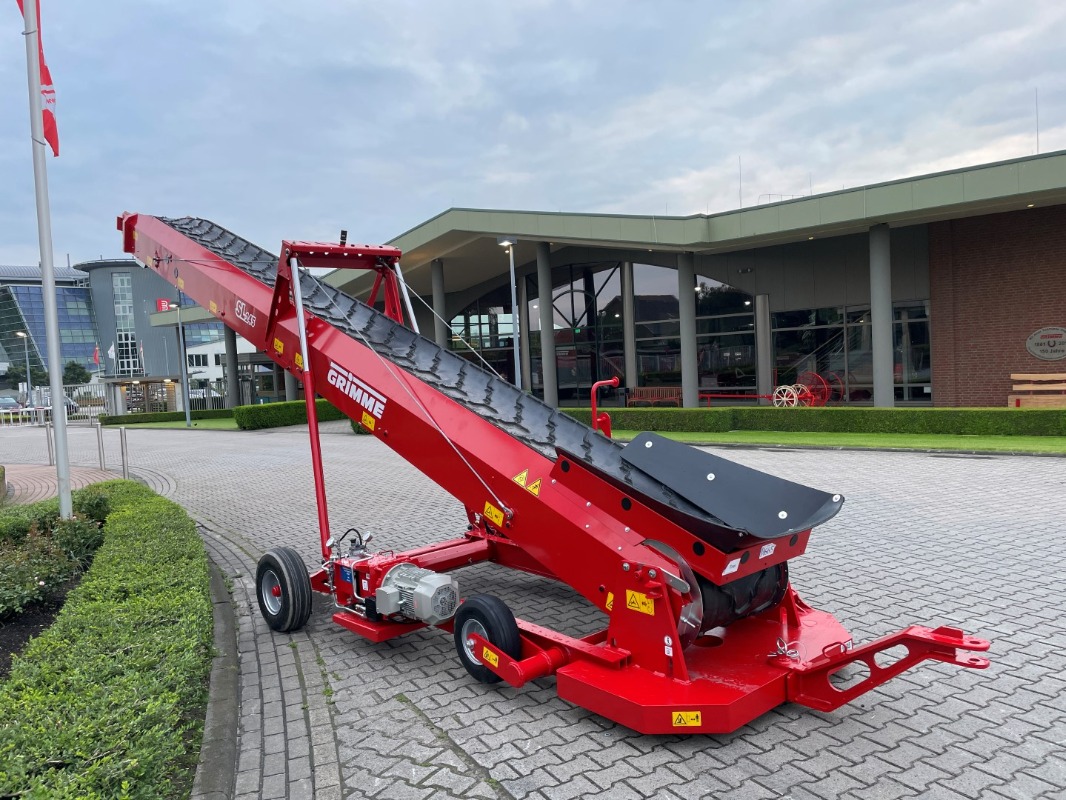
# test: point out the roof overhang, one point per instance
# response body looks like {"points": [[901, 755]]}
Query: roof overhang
{"points": [[466, 239]]}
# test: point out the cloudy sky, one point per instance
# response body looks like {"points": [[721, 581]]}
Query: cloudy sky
{"points": [[295, 119]]}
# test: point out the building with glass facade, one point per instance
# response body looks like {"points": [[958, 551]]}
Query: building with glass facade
{"points": [[104, 310], [22, 312], [921, 291]]}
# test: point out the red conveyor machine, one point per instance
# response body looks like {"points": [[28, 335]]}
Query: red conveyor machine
{"points": [[684, 553]]}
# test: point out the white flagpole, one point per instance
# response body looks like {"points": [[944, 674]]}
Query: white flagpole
{"points": [[48, 278]]}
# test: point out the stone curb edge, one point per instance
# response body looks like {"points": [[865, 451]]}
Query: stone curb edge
{"points": [[216, 771]]}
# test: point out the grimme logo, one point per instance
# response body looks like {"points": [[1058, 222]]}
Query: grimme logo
{"points": [[370, 399], [243, 314]]}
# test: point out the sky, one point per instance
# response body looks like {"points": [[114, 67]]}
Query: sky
{"points": [[294, 120]]}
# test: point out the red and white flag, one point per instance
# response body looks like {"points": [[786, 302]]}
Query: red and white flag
{"points": [[96, 355], [48, 92]]}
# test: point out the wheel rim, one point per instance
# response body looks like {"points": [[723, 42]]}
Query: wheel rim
{"points": [[470, 627], [270, 592]]}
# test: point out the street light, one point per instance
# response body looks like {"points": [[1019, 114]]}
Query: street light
{"points": [[184, 366], [29, 386], [509, 242]]}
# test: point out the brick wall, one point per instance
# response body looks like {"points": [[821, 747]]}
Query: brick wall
{"points": [[993, 280]]}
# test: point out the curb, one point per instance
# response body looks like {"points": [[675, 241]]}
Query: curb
{"points": [[216, 771]]}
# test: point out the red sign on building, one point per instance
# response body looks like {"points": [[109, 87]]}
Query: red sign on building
{"points": [[162, 304]]}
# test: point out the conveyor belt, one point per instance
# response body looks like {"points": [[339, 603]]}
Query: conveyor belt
{"points": [[523, 416]]}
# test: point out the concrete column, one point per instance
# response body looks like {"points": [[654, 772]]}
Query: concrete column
{"points": [[881, 315], [686, 297], [233, 386], [523, 335], [764, 348], [441, 334], [292, 386], [547, 325], [629, 326]]}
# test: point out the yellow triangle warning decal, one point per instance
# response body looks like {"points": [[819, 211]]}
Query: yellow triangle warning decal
{"points": [[680, 720], [534, 488], [521, 477]]}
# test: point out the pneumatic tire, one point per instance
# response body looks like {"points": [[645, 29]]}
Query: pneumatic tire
{"points": [[490, 618], [283, 589]]}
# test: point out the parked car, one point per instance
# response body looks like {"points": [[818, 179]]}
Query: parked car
{"points": [[72, 407], [9, 404]]}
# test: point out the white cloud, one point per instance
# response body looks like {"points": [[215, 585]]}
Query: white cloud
{"points": [[283, 119]]}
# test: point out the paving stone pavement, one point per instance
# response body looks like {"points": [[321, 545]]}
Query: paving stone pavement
{"points": [[969, 541]]}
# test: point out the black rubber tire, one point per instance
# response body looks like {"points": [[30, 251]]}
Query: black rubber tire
{"points": [[497, 624], [283, 568]]}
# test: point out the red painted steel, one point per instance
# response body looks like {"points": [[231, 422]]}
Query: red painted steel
{"points": [[602, 421], [550, 517]]}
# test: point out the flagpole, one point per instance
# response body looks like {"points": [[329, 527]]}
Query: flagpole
{"points": [[48, 278]]}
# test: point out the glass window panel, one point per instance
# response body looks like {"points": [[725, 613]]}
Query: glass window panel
{"points": [[655, 293]]}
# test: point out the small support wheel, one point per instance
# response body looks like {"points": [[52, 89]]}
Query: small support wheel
{"points": [[490, 618], [283, 589]]}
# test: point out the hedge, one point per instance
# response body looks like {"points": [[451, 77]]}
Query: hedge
{"points": [[277, 415], [959, 421], [165, 416], [3, 485], [108, 701]]}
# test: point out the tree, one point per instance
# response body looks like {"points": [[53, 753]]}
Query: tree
{"points": [[75, 373], [16, 374]]}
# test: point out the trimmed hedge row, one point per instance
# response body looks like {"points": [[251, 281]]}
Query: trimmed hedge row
{"points": [[959, 421], [107, 702], [277, 415], [165, 416]]}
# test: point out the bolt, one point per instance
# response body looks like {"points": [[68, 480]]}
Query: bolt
{"points": [[710, 476], [652, 573], [625, 567]]}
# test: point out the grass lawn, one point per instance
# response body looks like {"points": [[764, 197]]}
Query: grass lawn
{"points": [[908, 441], [207, 424]]}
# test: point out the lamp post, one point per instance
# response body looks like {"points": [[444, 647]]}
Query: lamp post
{"points": [[509, 242], [29, 385], [184, 359]]}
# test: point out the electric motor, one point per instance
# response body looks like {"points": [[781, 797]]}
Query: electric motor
{"points": [[417, 593]]}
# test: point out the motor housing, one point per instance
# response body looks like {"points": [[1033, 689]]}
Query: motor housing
{"points": [[419, 594]]}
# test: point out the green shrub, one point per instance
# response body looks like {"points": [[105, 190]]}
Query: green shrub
{"points": [[711, 420], [277, 415], [106, 702], [137, 417], [959, 421], [3, 485], [91, 503], [29, 572], [16, 522], [77, 539]]}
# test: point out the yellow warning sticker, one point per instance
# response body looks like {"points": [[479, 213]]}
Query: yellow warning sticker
{"points": [[494, 514], [610, 601], [181, 283], [367, 421], [534, 488], [279, 346], [490, 657], [521, 477], [638, 601], [213, 306], [686, 719], [299, 359]]}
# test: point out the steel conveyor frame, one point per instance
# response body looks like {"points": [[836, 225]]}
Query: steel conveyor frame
{"points": [[548, 495]]}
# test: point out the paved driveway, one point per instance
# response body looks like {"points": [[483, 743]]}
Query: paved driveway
{"points": [[975, 542]]}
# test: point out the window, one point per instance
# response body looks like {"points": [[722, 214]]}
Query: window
{"points": [[197, 359]]}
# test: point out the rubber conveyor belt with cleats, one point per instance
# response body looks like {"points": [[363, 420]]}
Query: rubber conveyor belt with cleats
{"points": [[684, 552]]}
